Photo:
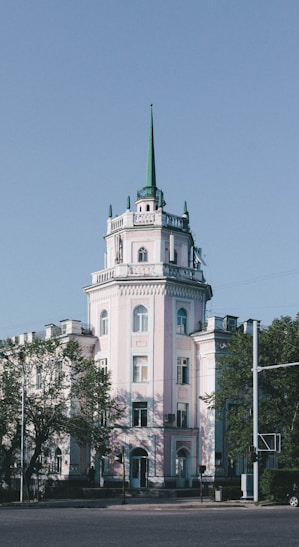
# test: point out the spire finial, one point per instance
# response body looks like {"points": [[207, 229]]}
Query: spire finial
{"points": [[151, 167]]}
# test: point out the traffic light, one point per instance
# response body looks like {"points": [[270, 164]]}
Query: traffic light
{"points": [[119, 458], [253, 453]]}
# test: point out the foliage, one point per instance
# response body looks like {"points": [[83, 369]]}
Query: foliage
{"points": [[96, 412], [42, 368], [277, 483], [63, 393], [278, 389], [10, 424]]}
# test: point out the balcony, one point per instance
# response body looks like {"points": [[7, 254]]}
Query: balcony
{"points": [[146, 270], [149, 218]]}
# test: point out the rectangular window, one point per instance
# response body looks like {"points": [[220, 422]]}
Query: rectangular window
{"points": [[182, 415], [182, 370], [38, 383], [218, 458], [103, 365], [140, 414], [58, 371], [140, 368]]}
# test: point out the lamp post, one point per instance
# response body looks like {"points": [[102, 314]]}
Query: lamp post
{"points": [[255, 411], [22, 427], [121, 459]]}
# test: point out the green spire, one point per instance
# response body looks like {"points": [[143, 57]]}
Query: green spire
{"points": [[128, 203], [110, 211], [151, 168]]}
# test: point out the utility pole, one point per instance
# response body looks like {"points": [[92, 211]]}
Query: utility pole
{"points": [[255, 411], [123, 477], [22, 432]]}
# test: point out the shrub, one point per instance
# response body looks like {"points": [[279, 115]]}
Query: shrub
{"points": [[277, 483]]}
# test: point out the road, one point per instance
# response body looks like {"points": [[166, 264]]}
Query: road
{"points": [[159, 527]]}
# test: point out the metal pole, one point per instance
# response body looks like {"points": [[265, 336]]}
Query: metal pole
{"points": [[123, 477], [255, 410], [22, 435]]}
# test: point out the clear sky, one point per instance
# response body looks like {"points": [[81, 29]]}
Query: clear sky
{"points": [[77, 79]]}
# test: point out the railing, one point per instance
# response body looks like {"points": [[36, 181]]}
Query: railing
{"points": [[154, 218], [146, 270]]}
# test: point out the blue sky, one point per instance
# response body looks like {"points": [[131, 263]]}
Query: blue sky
{"points": [[77, 79]]}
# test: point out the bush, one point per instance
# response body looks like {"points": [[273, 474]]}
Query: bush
{"points": [[277, 483]]}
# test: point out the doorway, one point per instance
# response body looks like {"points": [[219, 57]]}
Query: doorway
{"points": [[139, 468]]}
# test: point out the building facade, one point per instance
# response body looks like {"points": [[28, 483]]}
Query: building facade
{"points": [[144, 308], [147, 327]]}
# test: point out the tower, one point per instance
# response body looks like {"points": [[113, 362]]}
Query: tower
{"points": [[143, 307]]}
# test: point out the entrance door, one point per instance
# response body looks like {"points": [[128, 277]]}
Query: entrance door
{"points": [[139, 466], [182, 468]]}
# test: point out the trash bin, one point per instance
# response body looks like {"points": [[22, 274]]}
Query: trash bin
{"points": [[218, 493]]}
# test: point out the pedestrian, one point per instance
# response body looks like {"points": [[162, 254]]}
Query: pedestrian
{"points": [[91, 476]]}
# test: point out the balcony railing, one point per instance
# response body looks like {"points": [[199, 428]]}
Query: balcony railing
{"points": [[143, 270], [148, 218]]}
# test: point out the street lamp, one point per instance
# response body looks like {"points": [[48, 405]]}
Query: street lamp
{"points": [[21, 356], [255, 410]]}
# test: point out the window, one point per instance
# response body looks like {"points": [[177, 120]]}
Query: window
{"points": [[103, 365], [58, 371], [104, 323], [182, 370], [140, 414], [57, 461], [218, 458], [140, 369], [38, 383], [182, 415], [142, 255], [181, 321], [140, 319]]}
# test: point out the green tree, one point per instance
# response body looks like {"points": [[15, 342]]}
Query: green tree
{"points": [[10, 424], [278, 389], [44, 367], [64, 393], [95, 411]]}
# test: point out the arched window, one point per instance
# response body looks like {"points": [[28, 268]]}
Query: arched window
{"points": [[142, 255], [57, 461], [181, 321], [104, 323], [140, 319]]}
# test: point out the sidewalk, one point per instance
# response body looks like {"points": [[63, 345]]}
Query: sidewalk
{"points": [[130, 504]]}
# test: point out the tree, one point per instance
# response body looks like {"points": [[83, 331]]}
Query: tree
{"points": [[278, 389], [95, 411], [10, 424], [43, 367], [64, 393]]}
